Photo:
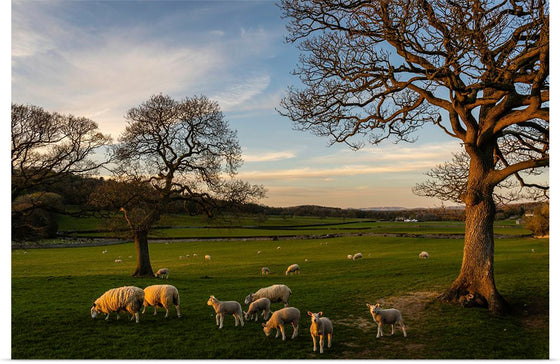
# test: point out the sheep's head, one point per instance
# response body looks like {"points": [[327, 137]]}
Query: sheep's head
{"points": [[94, 311], [373, 308], [211, 301], [315, 317], [266, 329], [249, 299]]}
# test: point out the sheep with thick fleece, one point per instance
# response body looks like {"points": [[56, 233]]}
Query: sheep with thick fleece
{"points": [[294, 268], [163, 295], [127, 298], [320, 327], [262, 304], [286, 315], [226, 308], [162, 273], [275, 293], [423, 255], [388, 316], [357, 256]]}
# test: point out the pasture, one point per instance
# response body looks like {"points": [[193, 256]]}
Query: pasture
{"points": [[53, 289]]}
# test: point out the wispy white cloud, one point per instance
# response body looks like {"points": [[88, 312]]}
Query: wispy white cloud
{"points": [[268, 157], [241, 90]]}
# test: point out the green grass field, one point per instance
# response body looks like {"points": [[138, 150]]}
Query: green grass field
{"points": [[53, 289]]}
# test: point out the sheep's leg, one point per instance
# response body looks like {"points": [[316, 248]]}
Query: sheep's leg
{"points": [[282, 331], [144, 310], [236, 319], [118, 316], [392, 329], [166, 312], [155, 310], [379, 331], [137, 315], [241, 319], [314, 342], [277, 333], [329, 337], [321, 343], [403, 328], [217, 319], [221, 320], [107, 317], [178, 310], [296, 329]]}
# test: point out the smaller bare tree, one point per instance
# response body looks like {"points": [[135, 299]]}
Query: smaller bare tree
{"points": [[175, 151]]}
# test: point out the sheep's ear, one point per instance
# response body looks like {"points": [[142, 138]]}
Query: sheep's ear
{"points": [[368, 305], [309, 313], [320, 313]]}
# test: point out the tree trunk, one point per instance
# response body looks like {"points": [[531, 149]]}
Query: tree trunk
{"points": [[475, 284], [143, 265]]}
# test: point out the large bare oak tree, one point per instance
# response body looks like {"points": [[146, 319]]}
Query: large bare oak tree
{"points": [[174, 152], [477, 69]]}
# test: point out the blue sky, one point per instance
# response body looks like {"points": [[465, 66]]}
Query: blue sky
{"points": [[100, 58]]}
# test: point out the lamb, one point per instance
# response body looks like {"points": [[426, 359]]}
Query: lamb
{"points": [[389, 316], [163, 295], [162, 273], [127, 298], [226, 308], [423, 255], [275, 293], [320, 327], [294, 268], [262, 304], [265, 271], [286, 315], [207, 257], [357, 256]]}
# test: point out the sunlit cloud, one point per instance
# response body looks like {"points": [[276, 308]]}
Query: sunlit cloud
{"points": [[268, 157]]}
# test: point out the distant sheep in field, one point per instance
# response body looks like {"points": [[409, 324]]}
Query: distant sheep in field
{"points": [[390, 316], [128, 298], [265, 271], [207, 257], [357, 256], [262, 304], [423, 255], [275, 293], [294, 268], [195, 255], [259, 252], [286, 315], [162, 273], [349, 256], [118, 260], [320, 327], [226, 308], [163, 295], [278, 247]]}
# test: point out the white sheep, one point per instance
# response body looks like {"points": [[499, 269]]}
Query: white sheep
{"points": [[163, 295], [388, 316], [320, 327], [286, 315], [162, 273], [195, 255], [357, 256], [127, 298], [349, 256], [275, 293], [226, 308], [423, 255], [265, 271], [118, 260], [262, 304], [207, 257], [294, 268], [259, 252]]}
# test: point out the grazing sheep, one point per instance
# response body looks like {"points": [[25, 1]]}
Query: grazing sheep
{"points": [[195, 255], [181, 257], [162, 273], [163, 295], [389, 316], [226, 308], [259, 252], [275, 293], [320, 327], [118, 260], [294, 268], [262, 304], [357, 256], [128, 298], [207, 257], [265, 271], [423, 255], [349, 256], [278, 247], [286, 315]]}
